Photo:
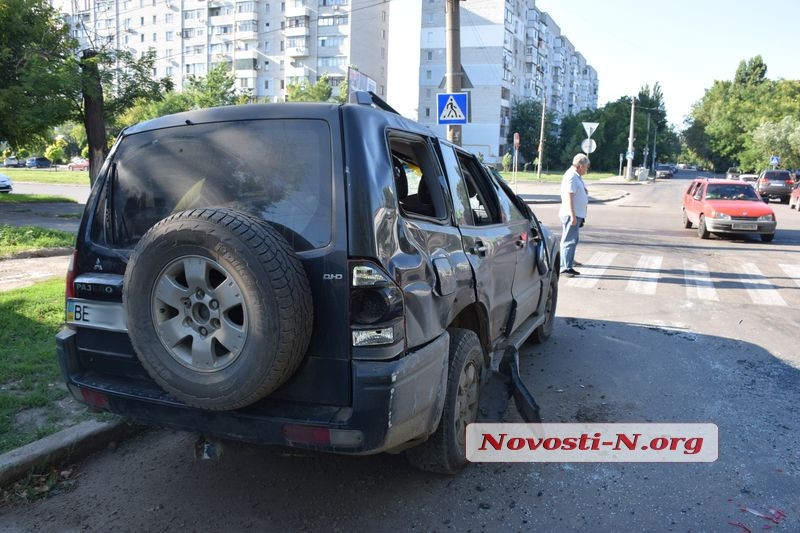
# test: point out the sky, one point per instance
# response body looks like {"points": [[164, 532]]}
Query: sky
{"points": [[683, 45]]}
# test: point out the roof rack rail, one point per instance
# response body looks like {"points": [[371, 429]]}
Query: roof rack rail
{"points": [[371, 99]]}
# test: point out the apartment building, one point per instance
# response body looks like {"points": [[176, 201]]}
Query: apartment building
{"points": [[267, 44], [510, 51]]}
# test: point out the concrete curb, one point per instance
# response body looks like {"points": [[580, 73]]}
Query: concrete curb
{"points": [[72, 444]]}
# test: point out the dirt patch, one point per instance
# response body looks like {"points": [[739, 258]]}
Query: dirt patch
{"points": [[25, 271]]}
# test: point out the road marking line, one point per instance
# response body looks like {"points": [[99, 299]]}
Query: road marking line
{"points": [[760, 290], [698, 281], [645, 279], [591, 274], [793, 271]]}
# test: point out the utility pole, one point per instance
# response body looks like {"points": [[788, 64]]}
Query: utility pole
{"points": [[629, 169], [655, 133], [453, 58], [541, 141]]}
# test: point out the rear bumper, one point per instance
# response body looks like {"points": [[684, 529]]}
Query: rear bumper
{"points": [[392, 403]]}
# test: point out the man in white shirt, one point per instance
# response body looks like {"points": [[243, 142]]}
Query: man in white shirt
{"points": [[574, 202]]}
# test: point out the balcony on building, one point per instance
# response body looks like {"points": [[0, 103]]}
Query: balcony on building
{"points": [[297, 51], [297, 27]]}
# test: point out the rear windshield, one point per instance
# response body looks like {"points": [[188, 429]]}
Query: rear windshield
{"points": [[775, 176], [266, 168]]}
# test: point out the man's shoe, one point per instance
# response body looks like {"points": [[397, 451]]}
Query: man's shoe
{"points": [[570, 273], [577, 263]]}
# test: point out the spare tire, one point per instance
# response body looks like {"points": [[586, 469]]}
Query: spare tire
{"points": [[218, 307]]}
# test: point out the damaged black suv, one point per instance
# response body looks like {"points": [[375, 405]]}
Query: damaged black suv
{"points": [[330, 277]]}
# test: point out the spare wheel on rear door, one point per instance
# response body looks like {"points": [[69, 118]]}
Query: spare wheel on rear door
{"points": [[218, 307]]}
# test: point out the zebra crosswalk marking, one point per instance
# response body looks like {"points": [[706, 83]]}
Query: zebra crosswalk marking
{"points": [[793, 271], [591, 274], [759, 289], [645, 279], [698, 281]]}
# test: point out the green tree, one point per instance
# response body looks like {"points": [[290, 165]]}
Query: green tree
{"points": [[753, 72], [215, 89], [775, 138], [526, 119], [39, 83], [723, 123], [303, 92], [56, 151]]}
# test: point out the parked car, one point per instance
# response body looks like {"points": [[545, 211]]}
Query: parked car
{"points": [[78, 163], [352, 299], [749, 178], [775, 184], [13, 162], [724, 206], [6, 185], [732, 173], [37, 162], [794, 198], [663, 171]]}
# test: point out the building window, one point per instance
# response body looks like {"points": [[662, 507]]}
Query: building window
{"points": [[266, 84], [430, 56], [427, 74], [427, 112]]}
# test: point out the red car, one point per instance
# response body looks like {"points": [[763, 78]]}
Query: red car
{"points": [[78, 163], [725, 206]]}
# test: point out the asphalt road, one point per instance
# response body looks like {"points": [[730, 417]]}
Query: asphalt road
{"points": [[637, 340]]}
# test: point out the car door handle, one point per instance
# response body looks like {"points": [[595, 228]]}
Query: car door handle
{"points": [[479, 249], [520, 243]]}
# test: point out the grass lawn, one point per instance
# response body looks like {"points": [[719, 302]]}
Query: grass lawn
{"points": [[48, 175], [16, 239], [552, 177], [33, 198], [34, 401]]}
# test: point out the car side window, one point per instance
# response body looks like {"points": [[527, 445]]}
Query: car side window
{"points": [[417, 176], [481, 191]]}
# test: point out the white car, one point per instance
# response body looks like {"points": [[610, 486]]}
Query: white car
{"points": [[6, 185]]}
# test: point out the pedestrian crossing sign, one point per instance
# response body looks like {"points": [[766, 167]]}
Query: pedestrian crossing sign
{"points": [[451, 108]]}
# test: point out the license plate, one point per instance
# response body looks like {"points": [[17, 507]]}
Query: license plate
{"points": [[745, 226], [100, 315]]}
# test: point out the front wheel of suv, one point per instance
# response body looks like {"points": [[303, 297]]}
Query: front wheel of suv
{"points": [[218, 307], [445, 451]]}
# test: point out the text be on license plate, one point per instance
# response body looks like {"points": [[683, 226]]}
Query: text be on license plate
{"points": [[101, 315]]}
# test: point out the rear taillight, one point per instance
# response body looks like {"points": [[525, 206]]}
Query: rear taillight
{"points": [[376, 307], [69, 291]]}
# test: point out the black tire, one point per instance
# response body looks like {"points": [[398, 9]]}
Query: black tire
{"points": [[767, 237], [544, 331], [687, 224], [702, 232], [445, 450], [218, 307]]}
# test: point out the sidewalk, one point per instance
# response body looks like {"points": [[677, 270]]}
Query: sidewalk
{"points": [[605, 190]]}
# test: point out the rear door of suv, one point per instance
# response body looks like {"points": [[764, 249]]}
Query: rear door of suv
{"points": [[496, 244]]}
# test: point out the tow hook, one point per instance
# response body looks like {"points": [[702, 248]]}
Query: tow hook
{"points": [[504, 383]]}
